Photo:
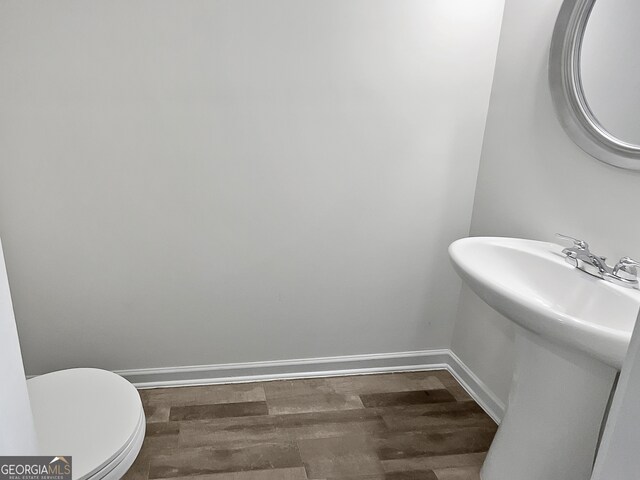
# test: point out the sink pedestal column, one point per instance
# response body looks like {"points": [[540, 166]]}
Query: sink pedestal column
{"points": [[556, 406]]}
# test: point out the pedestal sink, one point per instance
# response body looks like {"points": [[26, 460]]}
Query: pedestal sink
{"points": [[572, 334]]}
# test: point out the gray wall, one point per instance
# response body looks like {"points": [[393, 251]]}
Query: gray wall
{"points": [[533, 182], [192, 182]]}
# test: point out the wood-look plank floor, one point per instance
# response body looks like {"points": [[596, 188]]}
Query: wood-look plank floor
{"points": [[398, 426]]}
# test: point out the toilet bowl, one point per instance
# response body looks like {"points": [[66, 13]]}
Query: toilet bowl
{"points": [[92, 415]]}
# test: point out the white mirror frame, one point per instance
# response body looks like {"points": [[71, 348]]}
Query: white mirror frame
{"points": [[572, 108]]}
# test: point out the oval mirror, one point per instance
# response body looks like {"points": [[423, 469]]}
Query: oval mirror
{"points": [[594, 73]]}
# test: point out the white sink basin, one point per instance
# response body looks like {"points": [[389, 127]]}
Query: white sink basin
{"points": [[530, 283], [572, 331]]}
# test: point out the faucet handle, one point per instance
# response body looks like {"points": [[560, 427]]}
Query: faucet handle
{"points": [[581, 244], [626, 269]]}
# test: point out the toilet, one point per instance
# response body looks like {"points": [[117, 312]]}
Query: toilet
{"points": [[91, 415]]}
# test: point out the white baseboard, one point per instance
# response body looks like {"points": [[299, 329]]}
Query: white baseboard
{"points": [[479, 390], [424, 360]]}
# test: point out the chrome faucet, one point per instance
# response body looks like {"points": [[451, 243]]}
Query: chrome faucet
{"points": [[624, 273]]}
